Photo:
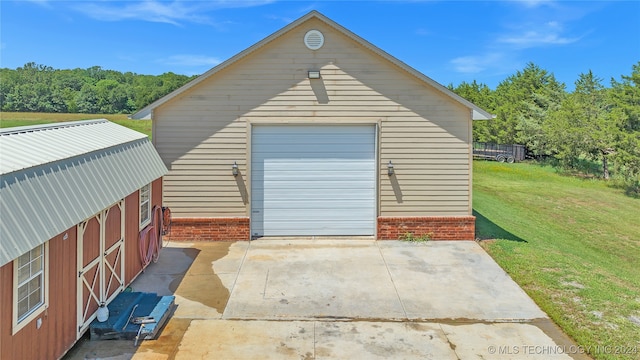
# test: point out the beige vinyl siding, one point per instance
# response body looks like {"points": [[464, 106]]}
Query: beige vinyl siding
{"points": [[431, 165], [201, 132], [199, 148]]}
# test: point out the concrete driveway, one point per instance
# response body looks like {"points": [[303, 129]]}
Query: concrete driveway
{"points": [[339, 299]]}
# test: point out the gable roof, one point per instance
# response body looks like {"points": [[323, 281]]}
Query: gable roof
{"points": [[477, 112], [55, 176]]}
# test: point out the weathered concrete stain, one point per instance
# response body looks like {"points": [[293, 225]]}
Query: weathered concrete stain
{"points": [[201, 283], [203, 327], [166, 345], [223, 339]]}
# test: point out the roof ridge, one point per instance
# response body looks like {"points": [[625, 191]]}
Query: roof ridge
{"points": [[50, 126], [29, 146], [476, 112]]}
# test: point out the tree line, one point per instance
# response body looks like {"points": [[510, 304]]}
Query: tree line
{"points": [[594, 124], [40, 88]]}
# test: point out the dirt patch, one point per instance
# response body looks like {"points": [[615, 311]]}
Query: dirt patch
{"points": [[634, 319], [573, 284]]}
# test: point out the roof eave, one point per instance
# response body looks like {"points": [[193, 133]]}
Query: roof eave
{"points": [[479, 114], [146, 111]]}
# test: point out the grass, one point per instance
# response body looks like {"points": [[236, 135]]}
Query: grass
{"points": [[572, 244], [11, 119], [411, 237]]}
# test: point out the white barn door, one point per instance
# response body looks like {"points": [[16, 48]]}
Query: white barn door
{"points": [[313, 180]]}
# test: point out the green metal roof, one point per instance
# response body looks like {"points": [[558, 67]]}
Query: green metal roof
{"points": [[55, 176]]}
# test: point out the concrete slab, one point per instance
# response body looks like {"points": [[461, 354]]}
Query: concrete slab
{"points": [[381, 340], [454, 280], [338, 299], [164, 276], [313, 280], [504, 341], [166, 345], [220, 339], [286, 279], [200, 275]]}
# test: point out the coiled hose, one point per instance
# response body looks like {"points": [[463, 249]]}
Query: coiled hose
{"points": [[150, 241]]}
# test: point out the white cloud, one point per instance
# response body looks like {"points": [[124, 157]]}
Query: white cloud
{"points": [[501, 55], [477, 63], [534, 3], [284, 19], [44, 3], [423, 32], [152, 11], [170, 12], [190, 60], [468, 64], [549, 33]]}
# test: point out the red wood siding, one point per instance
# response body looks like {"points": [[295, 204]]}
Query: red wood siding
{"points": [[133, 265], [156, 193], [58, 331], [112, 232], [91, 241]]}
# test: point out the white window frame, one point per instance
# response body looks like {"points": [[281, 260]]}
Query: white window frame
{"points": [[37, 310], [145, 200]]}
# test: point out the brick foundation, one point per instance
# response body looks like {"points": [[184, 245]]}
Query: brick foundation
{"points": [[438, 227], [209, 229], [389, 228]]}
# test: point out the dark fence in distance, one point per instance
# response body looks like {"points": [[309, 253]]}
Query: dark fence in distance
{"points": [[498, 152]]}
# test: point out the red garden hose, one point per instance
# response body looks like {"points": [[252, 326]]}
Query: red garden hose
{"points": [[150, 241]]}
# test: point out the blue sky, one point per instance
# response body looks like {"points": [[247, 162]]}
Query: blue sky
{"points": [[449, 41]]}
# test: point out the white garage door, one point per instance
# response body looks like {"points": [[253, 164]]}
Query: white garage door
{"points": [[313, 180]]}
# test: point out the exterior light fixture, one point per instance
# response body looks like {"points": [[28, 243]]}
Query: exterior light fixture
{"points": [[390, 170], [314, 74], [234, 169]]}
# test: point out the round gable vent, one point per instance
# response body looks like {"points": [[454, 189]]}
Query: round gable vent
{"points": [[314, 39]]}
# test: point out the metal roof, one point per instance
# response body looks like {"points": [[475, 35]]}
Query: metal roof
{"points": [[41, 144], [476, 112], [55, 176]]}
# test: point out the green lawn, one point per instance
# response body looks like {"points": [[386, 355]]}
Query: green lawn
{"points": [[572, 244], [11, 119]]}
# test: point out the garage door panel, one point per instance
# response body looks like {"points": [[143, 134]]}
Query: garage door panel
{"points": [[296, 216], [306, 154], [315, 206], [291, 132], [329, 168], [319, 185], [313, 194], [327, 227], [292, 176], [312, 177], [313, 180]]}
